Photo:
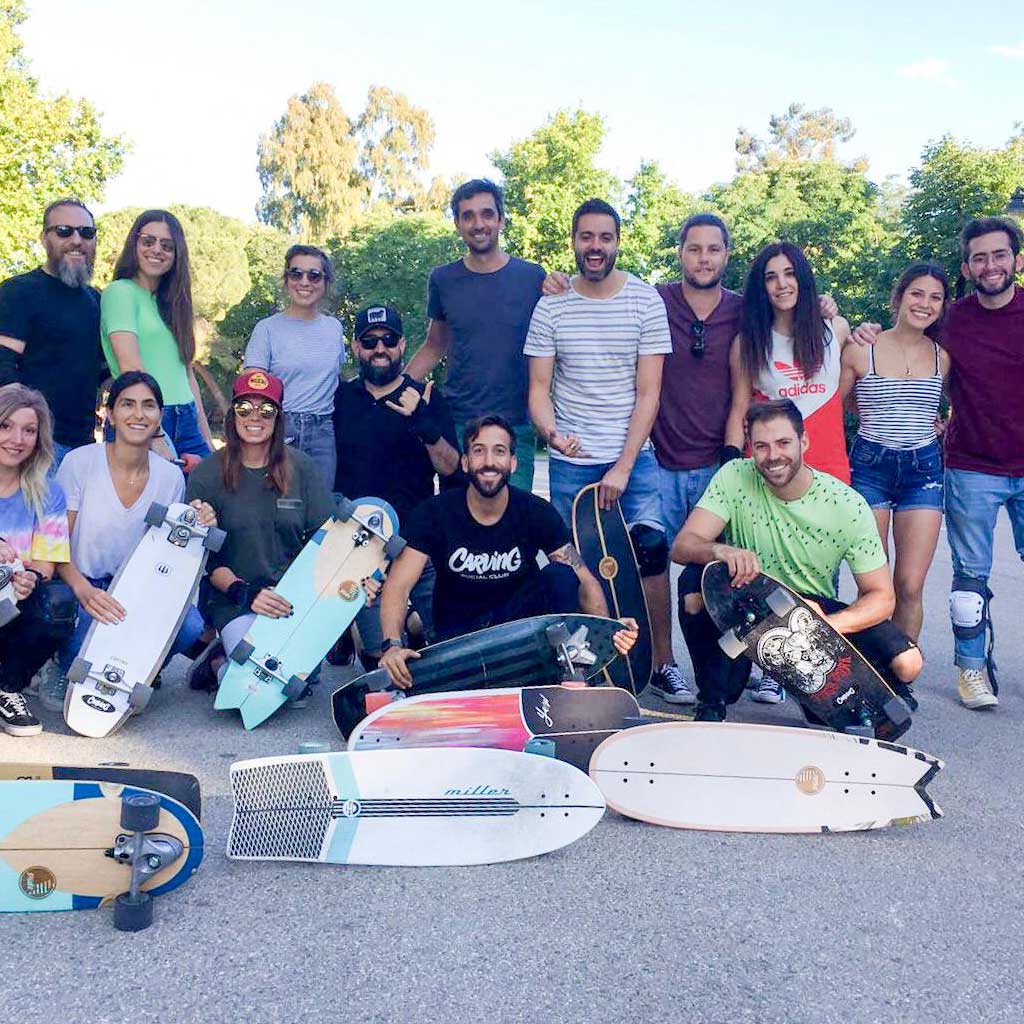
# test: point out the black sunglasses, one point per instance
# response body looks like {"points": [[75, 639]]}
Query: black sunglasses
{"points": [[296, 274], [697, 348], [67, 230], [390, 340]]}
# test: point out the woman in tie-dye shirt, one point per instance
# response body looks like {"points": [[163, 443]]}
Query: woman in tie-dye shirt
{"points": [[33, 538]]}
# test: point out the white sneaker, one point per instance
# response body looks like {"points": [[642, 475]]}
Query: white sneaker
{"points": [[975, 690]]}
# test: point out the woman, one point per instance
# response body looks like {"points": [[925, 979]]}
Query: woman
{"points": [[786, 349], [269, 498], [896, 457], [108, 487], [146, 324], [33, 538], [305, 349]]}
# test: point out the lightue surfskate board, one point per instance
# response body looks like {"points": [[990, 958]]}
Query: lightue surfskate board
{"points": [[81, 845], [111, 679], [763, 778], [409, 807], [272, 663], [574, 717]]}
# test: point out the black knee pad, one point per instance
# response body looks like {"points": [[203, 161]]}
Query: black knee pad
{"points": [[58, 607], [651, 549]]}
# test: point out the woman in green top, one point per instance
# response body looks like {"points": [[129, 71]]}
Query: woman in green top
{"points": [[146, 324]]}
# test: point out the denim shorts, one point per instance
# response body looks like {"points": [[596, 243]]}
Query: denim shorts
{"points": [[896, 478]]}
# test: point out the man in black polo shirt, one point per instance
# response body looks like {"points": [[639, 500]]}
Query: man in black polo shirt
{"points": [[393, 435], [50, 326]]}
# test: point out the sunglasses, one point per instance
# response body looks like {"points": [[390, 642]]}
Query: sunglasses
{"points": [[67, 230], [149, 241], [390, 340], [297, 274], [697, 348], [245, 409]]}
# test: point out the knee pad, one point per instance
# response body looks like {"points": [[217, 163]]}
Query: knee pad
{"points": [[58, 607], [651, 549], [968, 606]]}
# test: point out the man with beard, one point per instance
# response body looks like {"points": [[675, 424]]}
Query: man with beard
{"points": [[393, 436], [479, 309], [596, 354], [984, 450], [798, 525], [50, 326], [484, 542]]}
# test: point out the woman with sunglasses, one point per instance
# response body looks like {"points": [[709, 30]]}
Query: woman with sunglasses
{"points": [[33, 539], [146, 323], [305, 349], [269, 498]]}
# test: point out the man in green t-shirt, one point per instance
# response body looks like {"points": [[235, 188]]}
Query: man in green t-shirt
{"points": [[798, 525]]}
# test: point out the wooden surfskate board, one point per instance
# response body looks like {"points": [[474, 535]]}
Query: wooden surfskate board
{"points": [[409, 807], [729, 777]]}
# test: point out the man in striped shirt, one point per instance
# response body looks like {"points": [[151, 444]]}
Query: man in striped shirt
{"points": [[596, 354]]}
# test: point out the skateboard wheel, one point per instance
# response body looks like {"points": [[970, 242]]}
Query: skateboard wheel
{"points": [[558, 634], [539, 746], [896, 711], [393, 548], [79, 670], [156, 514], [731, 644], [140, 812], [140, 696], [133, 914], [294, 687], [214, 539], [8, 611], [780, 602], [345, 509], [242, 652]]}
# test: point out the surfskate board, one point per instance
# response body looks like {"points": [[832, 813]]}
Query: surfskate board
{"points": [[8, 597], [177, 785], [81, 845], [111, 679], [603, 541], [536, 651], [574, 717], [778, 630], [409, 807], [727, 777], [272, 663]]}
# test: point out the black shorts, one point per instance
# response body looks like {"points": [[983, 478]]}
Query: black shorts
{"points": [[879, 643]]}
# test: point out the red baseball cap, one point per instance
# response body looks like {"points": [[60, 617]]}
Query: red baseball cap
{"points": [[259, 384]]}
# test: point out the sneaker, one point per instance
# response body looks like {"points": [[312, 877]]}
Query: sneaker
{"points": [[201, 674], [15, 717], [975, 691], [52, 687], [710, 713], [668, 683], [344, 650], [768, 691]]}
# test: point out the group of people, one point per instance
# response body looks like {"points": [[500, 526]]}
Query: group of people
{"points": [[654, 393]]}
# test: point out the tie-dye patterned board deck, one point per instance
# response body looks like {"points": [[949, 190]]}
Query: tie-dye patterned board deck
{"points": [[576, 719], [729, 777], [324, 588], [53, 842], [409, 807]]}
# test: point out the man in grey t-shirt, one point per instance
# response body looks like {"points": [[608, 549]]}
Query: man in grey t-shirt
{"points": [[479, 309]]}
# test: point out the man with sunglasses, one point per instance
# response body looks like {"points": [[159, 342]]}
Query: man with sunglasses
{"points": [[394, 435], [50, 326]]}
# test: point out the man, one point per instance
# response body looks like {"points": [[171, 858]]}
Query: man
{"points": [[50, 326], [479, 309], [984, 450], [596, 356], [484, 542], [821, 522], [394, 435]]}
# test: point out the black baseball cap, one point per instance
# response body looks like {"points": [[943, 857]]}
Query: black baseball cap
{"points": [[378, 316]]}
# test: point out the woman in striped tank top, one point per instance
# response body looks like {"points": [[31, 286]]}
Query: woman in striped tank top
{"points": [[896, 459]]}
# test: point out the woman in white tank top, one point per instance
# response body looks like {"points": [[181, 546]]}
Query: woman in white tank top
{"points": [[896, 459]]}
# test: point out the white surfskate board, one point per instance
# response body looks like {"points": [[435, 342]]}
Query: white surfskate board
{"points": [[409, 807], [111, 677], [762, 778]]}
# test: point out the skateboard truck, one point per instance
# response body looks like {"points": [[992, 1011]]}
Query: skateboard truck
{"points": [[267, 669], [571, 650], [146, 852], [185, 528]]}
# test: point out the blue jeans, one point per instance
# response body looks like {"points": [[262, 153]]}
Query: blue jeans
{"points": [[189, 632], [422, 601], [640, 501], [972, 504], [314, 434], [181, 425], [680, 491], [897, 478]]}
